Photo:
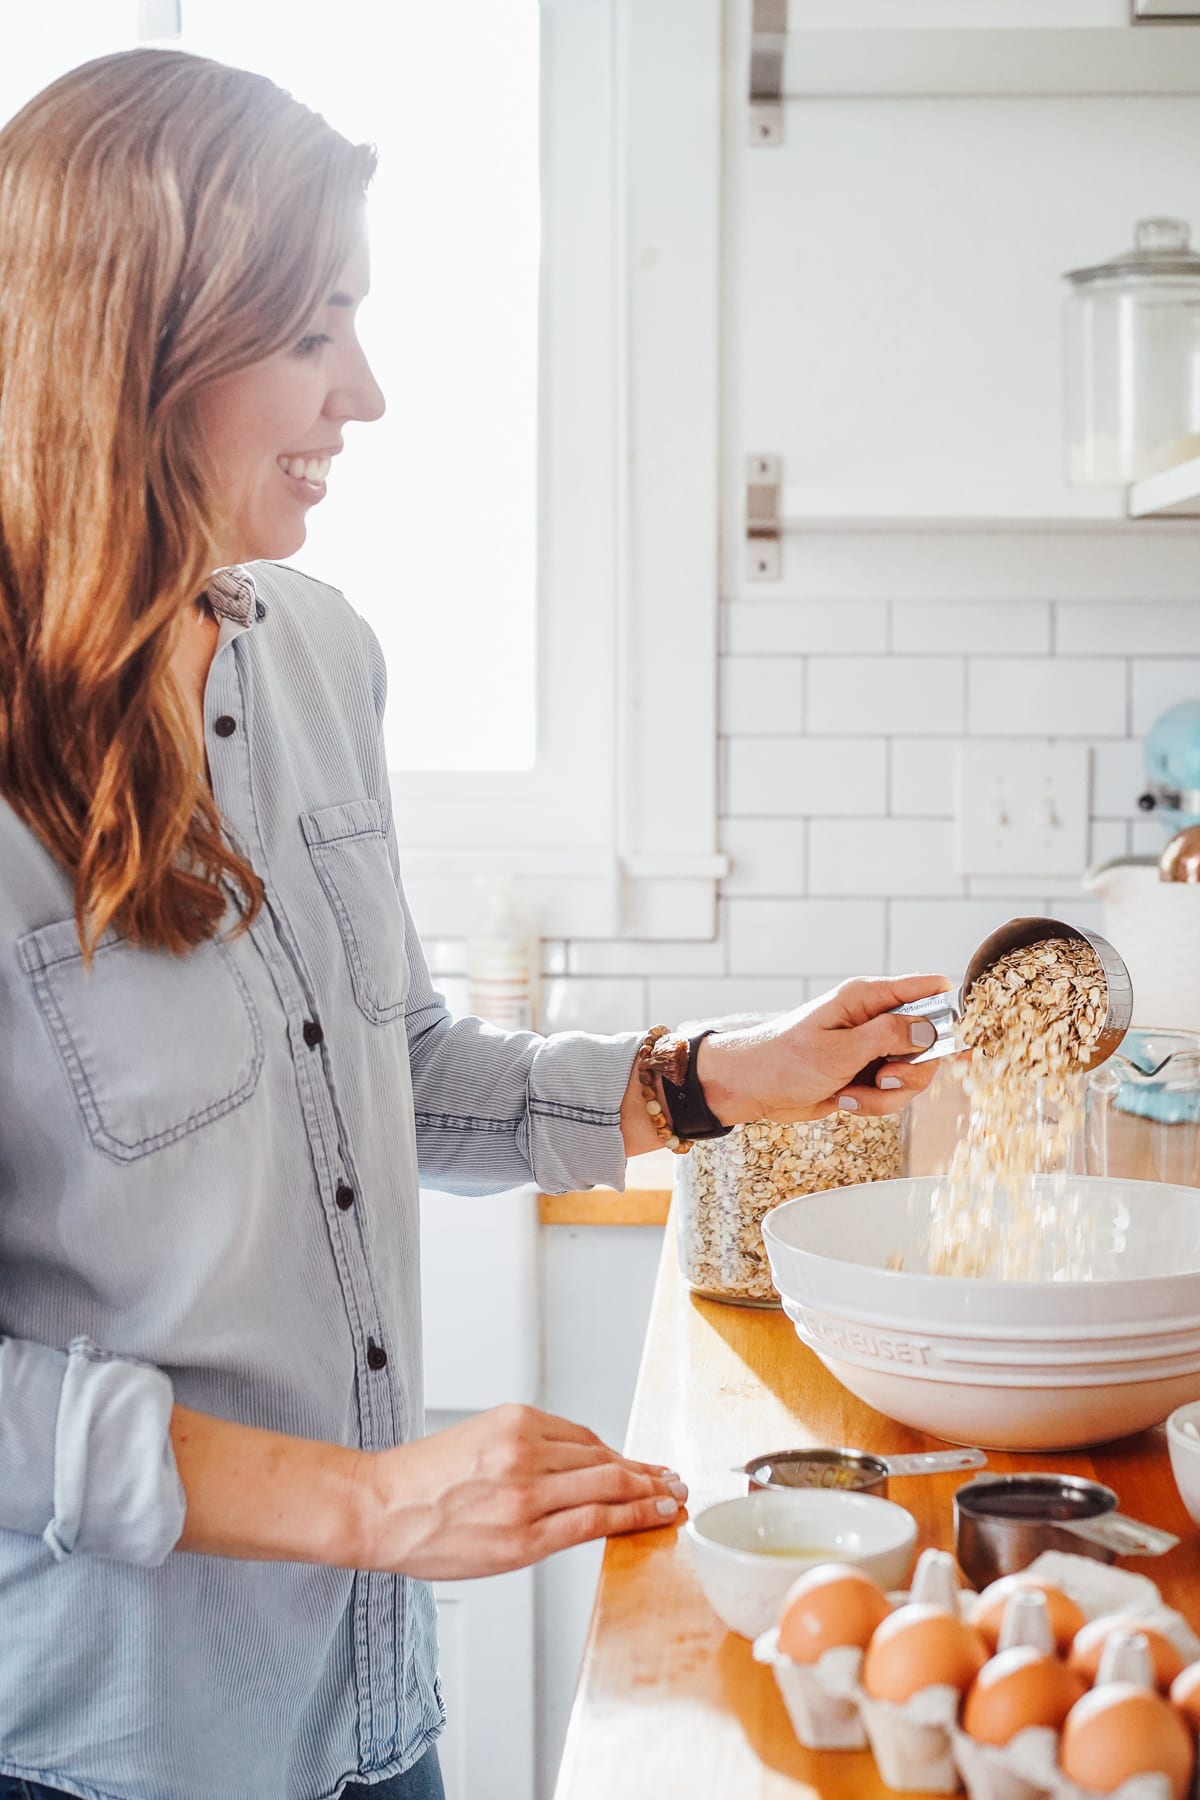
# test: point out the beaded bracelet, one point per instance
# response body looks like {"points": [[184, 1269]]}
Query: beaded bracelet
{"points": [[669, 1060]]}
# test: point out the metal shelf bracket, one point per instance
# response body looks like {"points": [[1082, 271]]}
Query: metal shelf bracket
{"points": [[768, 41], [764, 560]]}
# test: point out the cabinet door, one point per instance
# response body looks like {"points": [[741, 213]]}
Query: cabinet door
{"points": [[485, 1637]]}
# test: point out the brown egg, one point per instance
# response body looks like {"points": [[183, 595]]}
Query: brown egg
{"points": [[1019, 1687], [1065, 1617], [1087, 1647], [918, 1647], [829, 1606], [1117, 1731], [1185, 1694]]}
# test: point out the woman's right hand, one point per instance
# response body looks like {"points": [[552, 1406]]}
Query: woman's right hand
{"points": [[501, 1490]]}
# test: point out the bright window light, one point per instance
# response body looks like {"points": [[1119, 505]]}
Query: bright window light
{"points": [[430, 524]]}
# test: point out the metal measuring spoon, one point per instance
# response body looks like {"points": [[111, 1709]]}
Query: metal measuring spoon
{"points": [[856, 1470], [944, 1011]]}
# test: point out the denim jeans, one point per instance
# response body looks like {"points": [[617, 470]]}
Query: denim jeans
{"points": [[422, 1782]]}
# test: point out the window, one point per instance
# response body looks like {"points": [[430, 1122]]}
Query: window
{"points": [[578, 752], [430, 525]]}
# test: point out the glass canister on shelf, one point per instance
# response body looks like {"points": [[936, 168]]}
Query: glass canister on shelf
{"points": [[1132, 359], [725, 1186]]}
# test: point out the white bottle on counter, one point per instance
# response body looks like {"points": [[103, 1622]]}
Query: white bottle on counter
{"points": [[502, 959]]}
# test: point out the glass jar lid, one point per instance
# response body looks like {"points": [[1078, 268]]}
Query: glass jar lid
{"points": [[1162, 247]]}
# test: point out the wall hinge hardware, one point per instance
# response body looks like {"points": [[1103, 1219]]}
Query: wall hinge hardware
{"points": [[159, 19], [768, 41], [764, 560]]}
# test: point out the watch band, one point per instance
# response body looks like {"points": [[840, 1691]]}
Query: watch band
{"points": [[691, 1115]]}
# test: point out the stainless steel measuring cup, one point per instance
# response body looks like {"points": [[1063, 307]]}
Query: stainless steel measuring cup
{"points": [[944, 1011], [1002, 1522], [856, 1470]]}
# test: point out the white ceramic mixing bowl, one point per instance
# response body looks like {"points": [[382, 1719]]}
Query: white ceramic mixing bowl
{"points": [[740, 1547], [1030, 1365]]}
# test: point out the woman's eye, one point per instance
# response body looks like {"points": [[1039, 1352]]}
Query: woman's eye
{"points": [[307, 345]]}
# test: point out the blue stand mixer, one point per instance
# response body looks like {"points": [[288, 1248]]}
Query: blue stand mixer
{"points": [[1163, 1067]]}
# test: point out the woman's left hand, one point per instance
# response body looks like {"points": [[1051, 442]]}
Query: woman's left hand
{"points": [[805, 1064]]}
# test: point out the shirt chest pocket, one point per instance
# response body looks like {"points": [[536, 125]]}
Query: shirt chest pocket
{"points": [[349, 850], [154, 1046]]}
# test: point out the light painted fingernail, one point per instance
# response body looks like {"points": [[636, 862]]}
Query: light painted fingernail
{"points": [[679, 1489], [848, 1103], [889, 1082], [667, 1507], [923, 1034]]}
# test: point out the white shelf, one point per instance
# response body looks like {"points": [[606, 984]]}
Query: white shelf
{"points": [[960, 62], [1175, 494], [898, 509]]}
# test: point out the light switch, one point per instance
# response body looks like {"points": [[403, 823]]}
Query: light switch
{"points": [[1022, 807]]}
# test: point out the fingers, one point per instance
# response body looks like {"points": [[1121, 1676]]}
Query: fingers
{"points": [[582, 1524], [856, 1002], [608, 1485]]}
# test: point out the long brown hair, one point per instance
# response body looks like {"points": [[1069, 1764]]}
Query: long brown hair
{"points": [[164, 222]]}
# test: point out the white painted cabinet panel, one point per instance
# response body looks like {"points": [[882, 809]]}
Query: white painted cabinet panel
{"points": [[479, 1299]]}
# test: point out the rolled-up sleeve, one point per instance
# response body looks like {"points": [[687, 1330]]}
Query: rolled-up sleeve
{"points": [[86, 1461]]}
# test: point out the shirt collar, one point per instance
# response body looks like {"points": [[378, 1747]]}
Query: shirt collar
{"points": [[233, 596]]}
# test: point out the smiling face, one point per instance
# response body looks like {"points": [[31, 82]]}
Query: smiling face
{"points": [[271, 429]]}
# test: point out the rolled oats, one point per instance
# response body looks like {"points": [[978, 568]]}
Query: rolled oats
{"points": [[1031, 1020], [725, 1186]]}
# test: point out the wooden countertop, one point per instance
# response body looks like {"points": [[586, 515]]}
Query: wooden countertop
{"points": [[670, 1705]]}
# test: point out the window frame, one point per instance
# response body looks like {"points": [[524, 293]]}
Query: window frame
{"points": [[614, 832]]}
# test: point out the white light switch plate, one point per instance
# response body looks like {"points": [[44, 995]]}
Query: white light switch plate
{"points": [[1022, 807]]}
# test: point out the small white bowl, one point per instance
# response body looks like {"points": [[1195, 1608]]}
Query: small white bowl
{"points": [[1185, 1455], [749, 1551]]}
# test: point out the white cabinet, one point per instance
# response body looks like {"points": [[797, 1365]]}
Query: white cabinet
{"points": [[486, 1648], [894, 254]]}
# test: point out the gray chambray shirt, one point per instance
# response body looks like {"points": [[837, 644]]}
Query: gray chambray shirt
{"points": [[209, 1193]]}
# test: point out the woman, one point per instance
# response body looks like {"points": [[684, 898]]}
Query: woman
{"points": [[224, 1066]]}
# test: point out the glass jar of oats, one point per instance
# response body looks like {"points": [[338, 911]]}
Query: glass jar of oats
{"points": [[725, 1186]]}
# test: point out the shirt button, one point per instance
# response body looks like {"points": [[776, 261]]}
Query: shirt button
{"points": [[376, 1355], [225, 726], [313, 1035], [344, 1195]]}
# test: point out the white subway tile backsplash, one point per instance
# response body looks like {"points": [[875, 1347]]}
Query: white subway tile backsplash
{"points": [[882, 856], [789, 937], [767, 856], [1117, 778], [1128, 630], [633, 956], [604, 1006], [840, 708], [799, 777], [942, 628], [803, 627], [922, 783], [1158, 685], [1056, 696], [940, 936], [909, 696], [679, 998], [761, 695]]}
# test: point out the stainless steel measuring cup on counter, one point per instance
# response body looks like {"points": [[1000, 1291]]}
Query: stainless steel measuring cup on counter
{"points": [[944, 1011], [857, 1470], [1002, 1522]]}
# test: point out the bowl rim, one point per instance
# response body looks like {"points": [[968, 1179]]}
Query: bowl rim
{"points": [[975, 1283], [904, 1524]]}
